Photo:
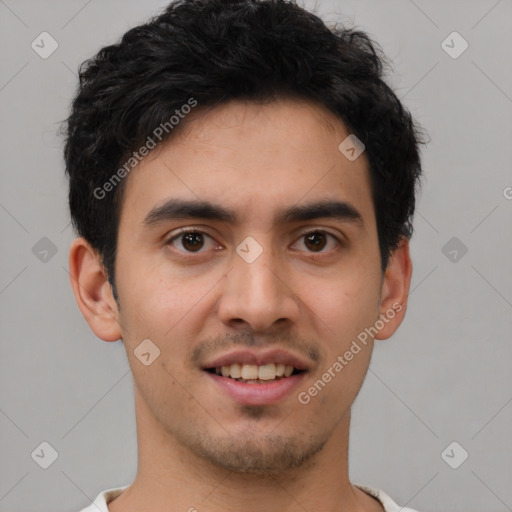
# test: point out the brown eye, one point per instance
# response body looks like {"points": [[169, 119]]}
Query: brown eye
{"points": [[318, 241], [192, 241], [315, 241]]}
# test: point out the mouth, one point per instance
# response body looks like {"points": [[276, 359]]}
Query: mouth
{"points": [[255, 374], [256, 385], [257, 378]]}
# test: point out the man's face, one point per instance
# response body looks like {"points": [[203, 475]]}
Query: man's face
{"points": [[197, 297]]}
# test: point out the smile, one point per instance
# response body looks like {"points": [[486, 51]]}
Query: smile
{"points": [[255, 373]]}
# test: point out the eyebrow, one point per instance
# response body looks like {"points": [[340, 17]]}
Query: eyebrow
{"points": [[186, 209]]}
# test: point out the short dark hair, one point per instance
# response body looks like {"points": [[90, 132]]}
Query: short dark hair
{"points": [[215, 51]]}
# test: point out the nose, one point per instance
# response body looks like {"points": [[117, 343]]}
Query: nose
{"points": [[258, 295]]}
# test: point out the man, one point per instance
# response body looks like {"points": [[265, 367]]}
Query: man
{"points": [[243, 184]]}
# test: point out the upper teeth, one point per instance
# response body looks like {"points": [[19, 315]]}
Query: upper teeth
{"points": [[252, 371]]}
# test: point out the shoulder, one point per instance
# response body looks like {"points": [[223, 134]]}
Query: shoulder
{"points": [[103, 498], [388, 504]]}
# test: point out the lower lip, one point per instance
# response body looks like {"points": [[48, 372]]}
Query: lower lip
{"points": [[258, 394]]}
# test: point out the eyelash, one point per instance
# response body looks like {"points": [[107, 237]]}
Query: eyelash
{"points": [[305, 233]]}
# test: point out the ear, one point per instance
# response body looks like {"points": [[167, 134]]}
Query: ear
{"points": [[92, 290], [395, 290]]}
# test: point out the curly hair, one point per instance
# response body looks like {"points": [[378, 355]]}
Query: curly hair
{"points": [[218, 50]]}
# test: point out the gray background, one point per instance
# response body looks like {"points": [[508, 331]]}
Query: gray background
{"points": [[445, 376]]}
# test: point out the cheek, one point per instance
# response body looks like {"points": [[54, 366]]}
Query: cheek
{"points": [[167, 307], [344, 306], [149, 293]]}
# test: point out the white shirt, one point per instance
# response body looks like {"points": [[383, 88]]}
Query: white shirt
{"points": [[100, 503]]}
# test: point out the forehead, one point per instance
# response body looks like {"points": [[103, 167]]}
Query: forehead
{"points": [[254, 159]]}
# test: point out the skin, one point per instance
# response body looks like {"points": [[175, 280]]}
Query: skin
{"points": [[196, 446]]}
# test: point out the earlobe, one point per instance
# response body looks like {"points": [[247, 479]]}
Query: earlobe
{"points": [[395, 290], [92, 290]]}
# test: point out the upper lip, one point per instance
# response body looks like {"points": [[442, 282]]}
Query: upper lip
{"points": [[277, 356]]}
